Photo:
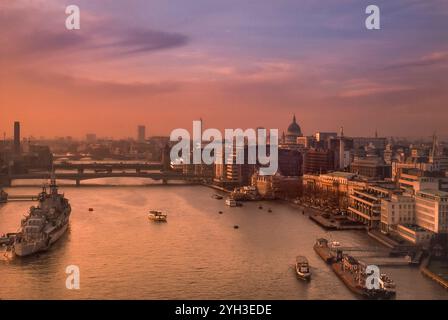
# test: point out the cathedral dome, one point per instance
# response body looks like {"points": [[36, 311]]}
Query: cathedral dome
{"points": [[294, 128]]}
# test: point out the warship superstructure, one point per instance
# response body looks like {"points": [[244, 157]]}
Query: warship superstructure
{"points": [[44, 224]]}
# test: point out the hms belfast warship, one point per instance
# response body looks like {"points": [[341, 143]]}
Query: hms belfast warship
{"points": [[44, 224]]}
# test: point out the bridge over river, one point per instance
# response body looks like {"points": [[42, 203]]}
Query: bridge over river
{"points": [[109, 167], [86, 171]]}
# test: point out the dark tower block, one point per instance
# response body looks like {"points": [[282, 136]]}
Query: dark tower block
{"points": [[17, 137]]}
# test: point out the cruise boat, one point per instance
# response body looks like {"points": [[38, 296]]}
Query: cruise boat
{"points": [[157, 216], [231, 202], [303, 268]]}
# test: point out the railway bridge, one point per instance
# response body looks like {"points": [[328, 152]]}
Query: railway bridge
{"points": [[86, 171]]}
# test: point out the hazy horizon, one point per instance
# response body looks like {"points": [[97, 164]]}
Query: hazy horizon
{"points": [[235, 64]]}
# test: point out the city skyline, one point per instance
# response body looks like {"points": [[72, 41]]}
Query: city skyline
{"points": [[8, 134], [208, 153], [233, 64]]}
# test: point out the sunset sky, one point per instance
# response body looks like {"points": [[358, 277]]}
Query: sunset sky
{"points": [[234, 63]]}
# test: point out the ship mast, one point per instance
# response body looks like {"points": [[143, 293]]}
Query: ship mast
{"points": [[53, 186]]}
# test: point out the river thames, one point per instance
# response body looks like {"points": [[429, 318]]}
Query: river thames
{"points": [[196, 255]]}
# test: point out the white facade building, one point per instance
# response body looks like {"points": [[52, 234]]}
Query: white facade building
{"points": [[396, 210], [431, 210]]}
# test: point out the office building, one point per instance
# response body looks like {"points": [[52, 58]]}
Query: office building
{"points": [[365, 204], [318, 161], [431, 210], [289, 162], [141, 133]]}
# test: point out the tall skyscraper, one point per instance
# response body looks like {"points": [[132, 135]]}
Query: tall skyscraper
{"points": [[16, 137], [141, 133]]}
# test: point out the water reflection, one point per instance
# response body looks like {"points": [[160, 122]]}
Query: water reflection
{"points": [[196, 255]]}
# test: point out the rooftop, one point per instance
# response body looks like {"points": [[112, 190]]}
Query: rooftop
{"points": [[340, 174], [436, 193], [414, 227]]}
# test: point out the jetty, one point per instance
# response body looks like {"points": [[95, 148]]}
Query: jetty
{"points": [[23, 197], [426, 270]]}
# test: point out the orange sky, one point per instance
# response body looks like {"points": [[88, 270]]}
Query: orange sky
{"points": [[164, 64]]}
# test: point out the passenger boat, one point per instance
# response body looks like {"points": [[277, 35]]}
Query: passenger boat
{"points": [[303, 268], [231, 202], [157, 216]]}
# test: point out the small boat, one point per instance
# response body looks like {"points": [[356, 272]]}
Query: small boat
{"points": [[90, 209], [236, 226], [157, 216], [260, 207], [217, 196], [231, 202], [269, 210], [220, 212], [303, 268]]}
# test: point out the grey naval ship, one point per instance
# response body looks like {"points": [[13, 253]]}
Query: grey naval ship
{"points": [[44, 224]]}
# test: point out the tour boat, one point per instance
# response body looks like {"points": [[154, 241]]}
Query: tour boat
{"points": [[157, 216], [303, 268]]}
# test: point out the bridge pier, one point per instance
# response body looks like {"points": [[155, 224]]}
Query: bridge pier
{"points": [[78, 182], [164, 181]]}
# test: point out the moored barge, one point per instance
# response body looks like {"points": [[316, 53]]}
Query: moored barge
{"points": [[323, 250], [353, 274]]}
